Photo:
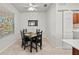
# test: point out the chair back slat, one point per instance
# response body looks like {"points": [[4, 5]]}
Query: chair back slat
{"points": [[24, 30], [37, 30], [39, 35], [21, 34]]}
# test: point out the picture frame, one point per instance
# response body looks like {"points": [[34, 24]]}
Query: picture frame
{"points": [[32, 22]]}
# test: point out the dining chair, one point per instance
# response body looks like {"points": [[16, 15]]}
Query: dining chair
{"points": [[24, 30], [38, 40], [37, 30], [25, 40], [26, 37]]}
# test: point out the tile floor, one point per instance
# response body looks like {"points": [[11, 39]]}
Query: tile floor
{"points": [[47, 49]]}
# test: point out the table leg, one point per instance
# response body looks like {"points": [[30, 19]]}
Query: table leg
{"points": [[31, 46]]}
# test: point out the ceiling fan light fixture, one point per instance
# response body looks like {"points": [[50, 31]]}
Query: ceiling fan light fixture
{"points": [[32, 9]]}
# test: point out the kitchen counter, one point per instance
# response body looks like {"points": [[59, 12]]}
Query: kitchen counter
{"points": [[74, 44]]}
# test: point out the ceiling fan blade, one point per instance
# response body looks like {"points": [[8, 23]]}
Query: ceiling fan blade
{"points": [[35, 5], [23, 6], [29, 5]]}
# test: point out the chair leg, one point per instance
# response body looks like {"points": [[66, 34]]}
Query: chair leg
{"points": [[36, 47], [24, 47], [21, 45], [31, 47], [41, 45], [27, 43]]}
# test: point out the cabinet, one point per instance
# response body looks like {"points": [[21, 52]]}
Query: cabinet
{"points": [[75, 18], [75, 51]]}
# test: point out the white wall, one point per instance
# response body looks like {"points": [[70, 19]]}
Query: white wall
{"points": [[51, 24], [40, 16], [9, 39]]}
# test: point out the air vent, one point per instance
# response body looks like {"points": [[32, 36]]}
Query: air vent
{"points": [[45, 5]]}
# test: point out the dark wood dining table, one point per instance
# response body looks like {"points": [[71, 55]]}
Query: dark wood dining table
{"points": [[31, 35]]}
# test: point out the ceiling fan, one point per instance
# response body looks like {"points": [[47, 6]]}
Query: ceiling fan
{"points": [[31, 7]]}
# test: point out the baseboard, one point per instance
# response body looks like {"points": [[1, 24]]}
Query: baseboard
{"points": [[11, 43]]}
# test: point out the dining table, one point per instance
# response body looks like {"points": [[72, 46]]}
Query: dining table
{"points": [[31, 35]]}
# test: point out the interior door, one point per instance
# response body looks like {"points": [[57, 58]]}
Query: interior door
{"points": [[67, 25], [67, 28]]}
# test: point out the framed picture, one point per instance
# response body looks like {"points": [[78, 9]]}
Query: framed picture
{"points": [[6, 24], [32, 22]]}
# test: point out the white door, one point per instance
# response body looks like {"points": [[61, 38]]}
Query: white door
{"points": [[67, 28], [67, 25]]}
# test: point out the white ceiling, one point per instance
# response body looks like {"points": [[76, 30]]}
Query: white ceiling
{"points": [[21, 6]]}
